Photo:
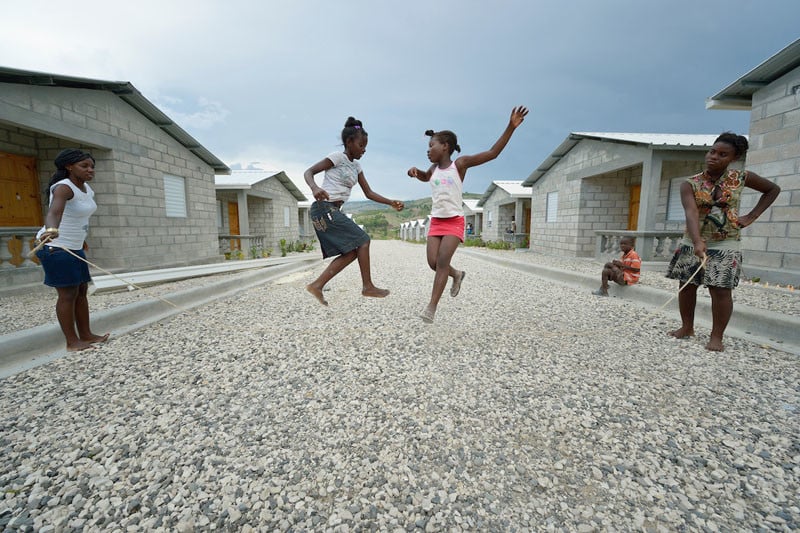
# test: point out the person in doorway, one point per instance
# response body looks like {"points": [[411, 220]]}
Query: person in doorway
{"points": [[710, 253], [338, 235], [63, 255], [623, 271], [447, 217]]}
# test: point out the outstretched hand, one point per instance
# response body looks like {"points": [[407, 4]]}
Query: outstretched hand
{"points": [[518, 115], [414, 172], [397, 205]]}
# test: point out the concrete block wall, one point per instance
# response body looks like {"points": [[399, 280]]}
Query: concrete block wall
{"points": [[130, 229], [274, 224], [773, 242], [501, 218]]}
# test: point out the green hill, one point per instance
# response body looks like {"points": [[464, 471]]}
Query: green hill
{"points": [[383, 222]]}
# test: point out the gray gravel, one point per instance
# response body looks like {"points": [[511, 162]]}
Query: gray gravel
{"points": [[525, 406]]}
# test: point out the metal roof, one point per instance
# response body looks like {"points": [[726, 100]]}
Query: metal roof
{"points": [[245, 179], [127, 92], [516, 189], [660, 140], [472, 205], [739, 94]]}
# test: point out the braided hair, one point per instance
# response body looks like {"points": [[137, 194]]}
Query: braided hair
{"points": [[739, 142], [64, 158], [445, 137]]}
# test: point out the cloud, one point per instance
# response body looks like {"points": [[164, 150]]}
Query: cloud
{"points": [[203, 115]]}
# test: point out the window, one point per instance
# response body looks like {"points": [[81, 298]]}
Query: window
{"points": [[286, 217], [489, 219], [674, 206], [552, 207], [175, 196]]}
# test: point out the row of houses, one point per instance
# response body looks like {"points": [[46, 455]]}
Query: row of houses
{"points": [[164, 200], [596, 187]]}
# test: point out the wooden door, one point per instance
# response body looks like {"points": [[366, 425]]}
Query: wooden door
{"points": [[526, 215], [633, 208], [20, 203], [233, 222]]}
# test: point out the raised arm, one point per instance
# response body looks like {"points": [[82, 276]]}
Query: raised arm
{"points": [[421, 175], [319, 193], [375, 197], [466, 161]]}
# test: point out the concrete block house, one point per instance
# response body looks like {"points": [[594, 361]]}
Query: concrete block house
{"points": [[771, 93], [473, 217], [258, 208], [506, 211], [597, 187], [154, 183]]}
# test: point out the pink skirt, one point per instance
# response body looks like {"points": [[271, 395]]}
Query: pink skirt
{"points": [[447, 226]]}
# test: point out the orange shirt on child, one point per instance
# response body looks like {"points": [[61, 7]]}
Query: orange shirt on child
{"points": [[631, 259]]}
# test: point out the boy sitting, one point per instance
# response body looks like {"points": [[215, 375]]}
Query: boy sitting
{"points": [[622, 272]]}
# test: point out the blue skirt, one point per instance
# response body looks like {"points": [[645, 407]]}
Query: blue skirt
{"points": [[337, 233], [62, 269]]}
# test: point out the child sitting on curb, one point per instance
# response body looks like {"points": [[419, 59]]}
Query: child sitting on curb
{"points": [[623, 272]]}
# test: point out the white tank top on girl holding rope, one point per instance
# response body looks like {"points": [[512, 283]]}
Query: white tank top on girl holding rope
{"points": [[75, 220]]}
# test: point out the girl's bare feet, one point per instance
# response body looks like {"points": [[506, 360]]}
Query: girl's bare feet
{"points": [[79, 346], [374, 292], [715, 345], [317, 293], [97, 338], [682, 333]]}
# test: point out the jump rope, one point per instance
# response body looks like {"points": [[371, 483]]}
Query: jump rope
{"points": [[132, 286]]}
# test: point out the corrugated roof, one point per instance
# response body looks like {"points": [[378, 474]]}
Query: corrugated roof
{"points": [[245, 179], [127, 92], [739, 94], [514, 188], [662, 140]]}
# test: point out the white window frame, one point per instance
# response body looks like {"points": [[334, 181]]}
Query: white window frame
{"points": [[551, 210], [175, 196], [287, 217]]}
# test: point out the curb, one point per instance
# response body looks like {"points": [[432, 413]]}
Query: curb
{"points": [[36, 346], [778, 331]]}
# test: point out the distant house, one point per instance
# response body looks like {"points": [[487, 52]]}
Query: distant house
{"points": [[258, 208], [771, 92], [596, 187], [473, 217], [154, 183], [506, 210]]}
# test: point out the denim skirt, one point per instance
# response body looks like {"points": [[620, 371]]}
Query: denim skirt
{"points": [[62, 269], [337, 233]]}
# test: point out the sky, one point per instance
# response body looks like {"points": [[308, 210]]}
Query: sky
{"points": [[269, 84]]}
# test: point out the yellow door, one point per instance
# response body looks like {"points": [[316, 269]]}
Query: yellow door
{"points": [[233, 222], [20, 203], [633, 208], [526, 215]]}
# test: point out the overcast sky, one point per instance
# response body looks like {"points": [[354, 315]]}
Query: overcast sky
{"points": [[270, 84]]}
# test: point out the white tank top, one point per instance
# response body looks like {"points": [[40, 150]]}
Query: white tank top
{"points": [[447, 192], [75, 219]]}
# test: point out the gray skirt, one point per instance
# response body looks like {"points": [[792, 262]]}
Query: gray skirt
{"points": [[337, 233], [723, 267]]}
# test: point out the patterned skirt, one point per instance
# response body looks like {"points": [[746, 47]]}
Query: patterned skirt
{"points": [[723, 267]]}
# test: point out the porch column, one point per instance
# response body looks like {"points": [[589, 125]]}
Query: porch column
{"points": [[648, 203], [244, 216], [518, 214]]}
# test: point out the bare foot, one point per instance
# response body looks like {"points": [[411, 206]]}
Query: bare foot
{"points": [[375, 292], [97, 338], [317, 294], [79, 346], [682, 333], [427, 315], [715, 345], [454, 290]]}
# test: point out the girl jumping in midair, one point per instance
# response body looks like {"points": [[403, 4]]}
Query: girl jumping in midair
{"points": [[447, 216], [338, 235]]}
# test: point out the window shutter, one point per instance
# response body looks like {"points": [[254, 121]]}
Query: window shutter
{"points": [[175, 196], [552, 206]]}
